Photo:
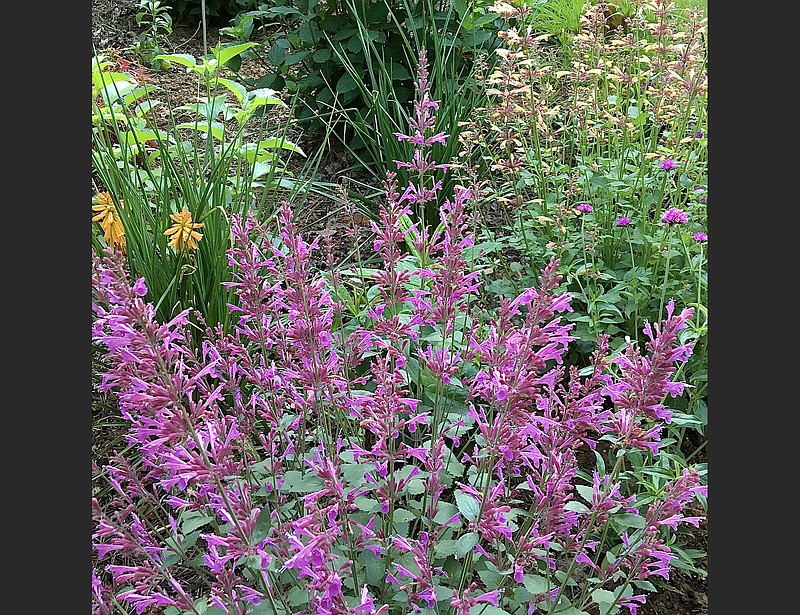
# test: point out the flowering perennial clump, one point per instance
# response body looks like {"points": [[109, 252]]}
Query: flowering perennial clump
{"points": [[415, 455]]}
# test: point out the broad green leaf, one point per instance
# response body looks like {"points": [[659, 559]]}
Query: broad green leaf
{"points": [[346, 84], [262, 527], [415, 486], [262, 96], [184, 59], [627, 519], [193, 520], [216, 129], [208, 108], [226, 53], [297, 596], [444, 548], [367, 504], [445, 511], [467, 505], [101, 79], [484, 608], [536, 584], [403, 516], [238, 89], [321, 55], [604, 600], [465, 544], [283, 10], [116, 91], [296, 57]]}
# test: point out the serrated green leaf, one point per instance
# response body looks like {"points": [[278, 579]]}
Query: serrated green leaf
{"points": [[467, 505], [465, 544], [483, 608], [194, 519], [535, 584], [298, 596], [627, 519], [262, 526], [585, 491], [445, 511], [604, 599], [443, 548], [367, 504], [415, 486]]}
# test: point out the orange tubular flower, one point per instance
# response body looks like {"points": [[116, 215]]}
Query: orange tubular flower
{"points": [[182, 234], [110, 222]]}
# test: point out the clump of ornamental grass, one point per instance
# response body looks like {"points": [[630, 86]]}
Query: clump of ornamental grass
{"points": [[421, 455]]}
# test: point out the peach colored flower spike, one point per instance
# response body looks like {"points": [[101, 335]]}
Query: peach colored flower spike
{"points": [[182, 234]]}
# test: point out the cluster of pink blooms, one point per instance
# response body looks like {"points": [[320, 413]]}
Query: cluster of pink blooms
{"points": [[276, 434]]}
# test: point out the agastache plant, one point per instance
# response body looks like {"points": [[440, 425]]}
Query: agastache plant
{"points": [[421, 456]]}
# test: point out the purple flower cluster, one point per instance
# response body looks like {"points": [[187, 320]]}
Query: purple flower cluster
{"points": [[700, 237], [668, 164], [623, 221], [326, 460], [585, 207], [675, 216]]}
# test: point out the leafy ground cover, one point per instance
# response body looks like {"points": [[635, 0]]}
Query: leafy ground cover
{"points": [[684, 592]]}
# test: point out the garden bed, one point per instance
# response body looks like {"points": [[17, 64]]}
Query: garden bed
{"points": [[113, 26]]}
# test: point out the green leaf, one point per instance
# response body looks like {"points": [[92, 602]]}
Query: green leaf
{"points": [[398, 72], [627, 519], [225, 54], [346, 84], [403, 516], [296, 482], [194, 519], [604, 599], [277, 52], [283, 10], [444, 548], [445, 511], [490, 576], [367, 504], [297, 596], [184, 59], [465, 544], [321, 55], [276, 142], [585, 491], [461, 7], [535, 584], [262, 527], [483, 608], [237, 88], [467, 505], [208, 108], [645, 585], [296, 57], [215, 128]]}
